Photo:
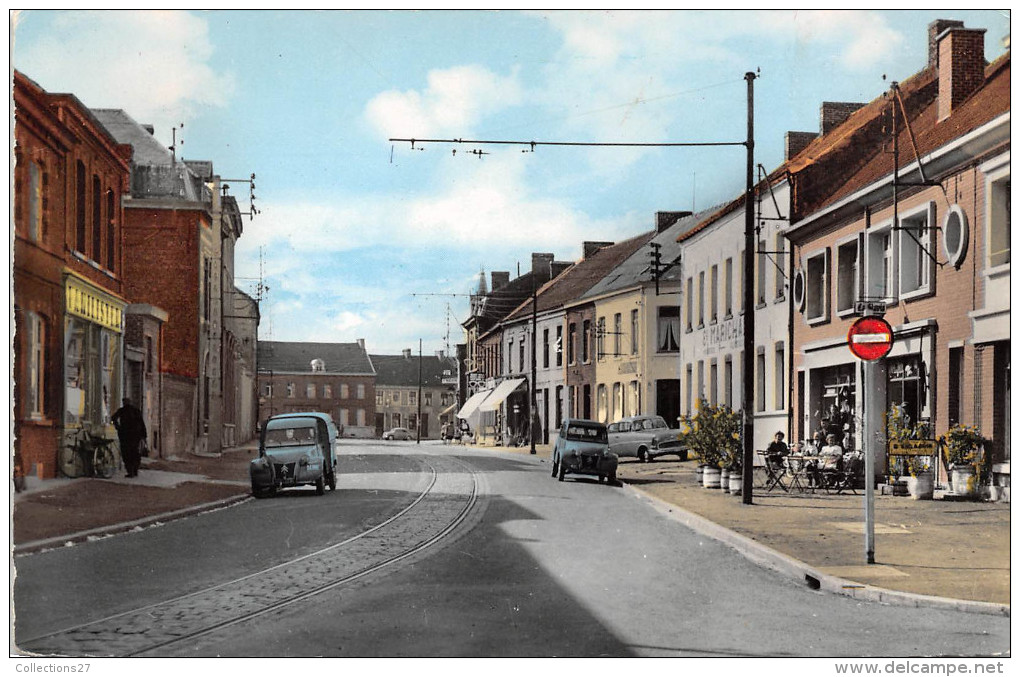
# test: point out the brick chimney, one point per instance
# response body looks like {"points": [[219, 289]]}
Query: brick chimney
{"points": [[795, 142], [935, 29], [361, 343], [500, 279], [407, 353], [664, 220], [835, 113], [541, 265], [589, 247], [961, 66]]}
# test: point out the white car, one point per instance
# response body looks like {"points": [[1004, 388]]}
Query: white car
{"points": [[645, 437], [398, 434]]}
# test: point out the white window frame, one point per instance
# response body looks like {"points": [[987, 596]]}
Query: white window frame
{"points": [[855, 240], [36, 346], [995, 171], [875, 261], [811, 284], [919, 253]]}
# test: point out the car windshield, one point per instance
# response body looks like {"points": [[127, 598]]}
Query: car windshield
{"points": [[586, 433], [290, 436]]}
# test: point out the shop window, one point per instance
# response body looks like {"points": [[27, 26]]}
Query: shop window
{"points": [[906, 386], [832, 403], [669, 329], [846, 277], [915, 252], [817, 287]]}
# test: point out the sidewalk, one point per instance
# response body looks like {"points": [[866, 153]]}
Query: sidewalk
{"points": [[928, 553]]}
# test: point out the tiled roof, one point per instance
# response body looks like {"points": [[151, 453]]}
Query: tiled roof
{"points": [[148, 149], [989, 101], [397, 370], [339, 358], [582, 276], [635, 269]]}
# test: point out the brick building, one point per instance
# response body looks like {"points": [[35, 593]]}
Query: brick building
{"points": [[924, 229], [68, 273], [400, 379], [178, 218], [334, 378]]}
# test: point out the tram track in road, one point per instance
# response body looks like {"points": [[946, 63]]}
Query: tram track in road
{"points": [[450, 494]]}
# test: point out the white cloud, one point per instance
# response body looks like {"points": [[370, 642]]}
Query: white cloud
{"points": [[454, 100], [153, 64]]}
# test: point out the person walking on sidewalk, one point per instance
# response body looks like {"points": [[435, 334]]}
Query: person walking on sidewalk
{"points": [[131, 431]]}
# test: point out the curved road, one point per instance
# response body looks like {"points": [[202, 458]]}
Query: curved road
{"points": [[429, 550]]}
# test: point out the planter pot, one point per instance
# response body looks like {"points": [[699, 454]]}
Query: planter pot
{"points": [[699, 473], [964, 480], [921, 487], [724, 479], [899, 487], [711, 478], [736, 483]]}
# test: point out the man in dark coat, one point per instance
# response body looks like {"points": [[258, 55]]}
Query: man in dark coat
{"points": [[131, 431]]}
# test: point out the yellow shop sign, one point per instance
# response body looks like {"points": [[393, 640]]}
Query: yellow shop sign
{"points": [[912, 448], [88, 302]]}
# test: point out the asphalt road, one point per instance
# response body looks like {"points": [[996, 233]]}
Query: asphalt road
{"points": [[428, 550]]}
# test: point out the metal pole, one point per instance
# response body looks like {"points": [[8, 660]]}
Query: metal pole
{"points": [[532, 407], [418, 440], [870, 443], [747, 377]]}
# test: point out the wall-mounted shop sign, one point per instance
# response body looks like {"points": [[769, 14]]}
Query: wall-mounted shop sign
{"points": [[724, 334], [912, 448], [84, 300]]}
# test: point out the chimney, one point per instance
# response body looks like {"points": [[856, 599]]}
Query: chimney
{"points": [[441, 354], [664, 220], [361, 343], [796, 142], [589, 248], [935, 29], [961, 66], [500, 279], [835, 113], [150, 129], [407, 353], [541, 265]]}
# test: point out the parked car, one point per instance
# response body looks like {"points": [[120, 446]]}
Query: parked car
{"points": [[294, 450], [398, 434], [582, 448], [645, 437]]}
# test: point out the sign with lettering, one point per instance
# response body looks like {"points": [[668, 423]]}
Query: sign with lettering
{"points": [[83, 300], [725, 332], [869, 308], [912, 448]]}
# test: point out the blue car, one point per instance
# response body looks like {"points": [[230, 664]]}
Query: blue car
{"points": [[582, 448], [295, 450]]}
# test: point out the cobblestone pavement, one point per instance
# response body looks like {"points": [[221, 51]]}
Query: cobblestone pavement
{"points": [[144, 631]]}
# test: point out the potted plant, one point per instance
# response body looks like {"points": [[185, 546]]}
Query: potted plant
{"points": [[702, 437], [964, 452], [920, 482]]}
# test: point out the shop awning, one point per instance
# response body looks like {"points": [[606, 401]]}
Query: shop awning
{"points": [[448, 410], [500, 393], [472, 404]]}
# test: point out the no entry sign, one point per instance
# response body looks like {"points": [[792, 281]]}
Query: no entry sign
{"points": [[870, 338]]}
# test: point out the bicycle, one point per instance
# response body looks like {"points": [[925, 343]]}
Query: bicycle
{"points": [[88, 455]]}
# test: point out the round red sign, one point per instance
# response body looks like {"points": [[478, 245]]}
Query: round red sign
{"points": [[870, 338]]}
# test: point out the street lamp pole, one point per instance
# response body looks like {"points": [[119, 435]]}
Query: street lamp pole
{"points": [[418, 441], [750, 246], [534, 365]]}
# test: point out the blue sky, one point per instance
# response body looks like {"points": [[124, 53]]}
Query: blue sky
{"points": [[352, 225]]}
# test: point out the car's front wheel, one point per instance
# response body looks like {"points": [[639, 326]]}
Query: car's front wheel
{"points": [[320, 486], [332, 481], [611, 478], [555, 466], [643, 455], [563, 471]]}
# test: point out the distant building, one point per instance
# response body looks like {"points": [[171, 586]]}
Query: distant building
{"points": [[335, 378], [397, 388]]}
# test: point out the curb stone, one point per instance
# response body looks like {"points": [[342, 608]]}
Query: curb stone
{"points": [[112, 529], [804, 573]]}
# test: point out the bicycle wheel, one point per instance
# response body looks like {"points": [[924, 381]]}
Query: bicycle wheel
{"points": [[105, 464], [71, 464]]}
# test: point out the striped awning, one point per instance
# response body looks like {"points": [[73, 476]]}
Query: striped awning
{"points": [[500, 393], [472, 404]]}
